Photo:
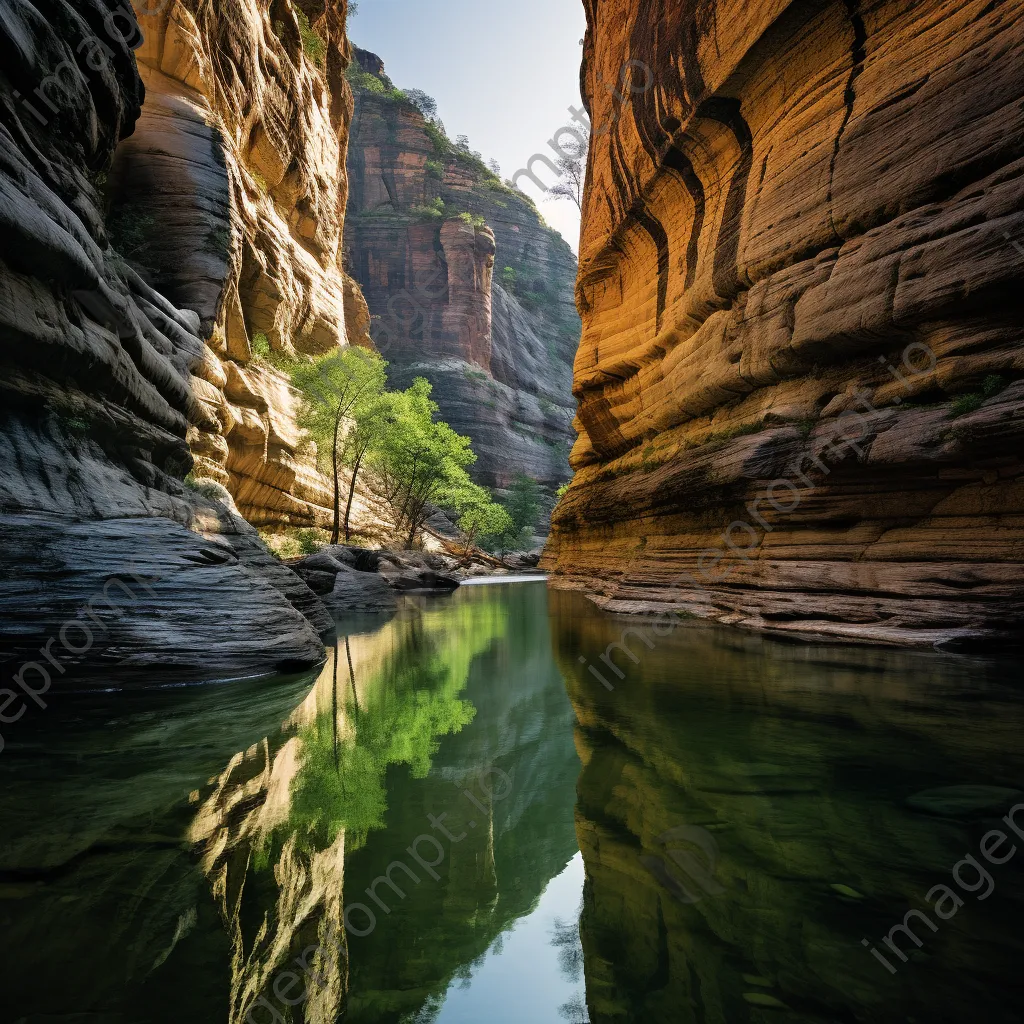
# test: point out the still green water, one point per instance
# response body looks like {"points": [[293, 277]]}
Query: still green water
{"points": [[458, 822]]}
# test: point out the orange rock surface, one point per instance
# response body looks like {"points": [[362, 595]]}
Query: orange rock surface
{"points": [[800, 378], [237, 166]]}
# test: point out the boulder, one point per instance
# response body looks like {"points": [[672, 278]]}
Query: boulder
{"points": [[421, 579], [360, 591]]}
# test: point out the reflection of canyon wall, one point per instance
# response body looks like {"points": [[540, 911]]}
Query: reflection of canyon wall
{"points": [[498, 358], [808, 770], [102, 901], [237, 166], [103, 384], [802, 192]]}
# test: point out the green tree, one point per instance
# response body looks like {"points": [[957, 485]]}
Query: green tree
{"points": [[523, 506], [332, 387], [419, 462], [372, 419], [480, 516]]}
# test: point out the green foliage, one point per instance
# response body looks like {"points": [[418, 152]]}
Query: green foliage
{"points": [[420, 462], [426, 105], [260, 346], [964, 404], [433, 211], [560, 493], [509, 279], [130, 231], [313, 44], [481, 517], [523, 506], [476, 220], [992, 385], [436, 133], [261, 182], [435, 169], [334, 389], [295, 543], [363, 81]]}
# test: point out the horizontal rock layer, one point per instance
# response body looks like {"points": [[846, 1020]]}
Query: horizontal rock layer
{"points": [[801, 246], [498, 355], [102, 381], [236, 171]]}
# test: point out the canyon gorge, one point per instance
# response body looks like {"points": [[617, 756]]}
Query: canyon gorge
{"points": [[175, 200], [292, 726]]}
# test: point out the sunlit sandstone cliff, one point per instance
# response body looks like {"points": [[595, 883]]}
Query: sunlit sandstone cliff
{"points": [[237, 166], [107, 383], [429, 235], [796, 212]]}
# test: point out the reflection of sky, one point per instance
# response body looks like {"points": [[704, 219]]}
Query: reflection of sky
{"points": [[523, 982]]}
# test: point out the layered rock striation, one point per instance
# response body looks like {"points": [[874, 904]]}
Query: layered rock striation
{"points": [[800, 378], [109, 558], [466, 286], [236, 176]]}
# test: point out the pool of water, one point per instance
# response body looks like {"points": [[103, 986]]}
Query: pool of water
{"points": [[505, 805]]}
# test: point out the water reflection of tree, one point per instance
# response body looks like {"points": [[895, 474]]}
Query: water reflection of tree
{"points": [[437, 935], [565, 937], [410, 701], [575, 1010]]}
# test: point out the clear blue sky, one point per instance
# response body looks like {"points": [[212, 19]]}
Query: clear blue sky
{"points": [[503, 74]]}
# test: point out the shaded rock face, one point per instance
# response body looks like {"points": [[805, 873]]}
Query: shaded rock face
{"points": [[499, 361], [102, 381], [237, 171], [803, 211]]}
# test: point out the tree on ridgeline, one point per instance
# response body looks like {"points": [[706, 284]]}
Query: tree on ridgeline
{"points": [[572, 173], [427, 104]]}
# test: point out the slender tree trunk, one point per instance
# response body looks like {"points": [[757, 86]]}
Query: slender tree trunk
{"points": [[336, 532], [351, 493]]}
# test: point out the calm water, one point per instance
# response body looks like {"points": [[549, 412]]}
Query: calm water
{"points": [[458, 822]]}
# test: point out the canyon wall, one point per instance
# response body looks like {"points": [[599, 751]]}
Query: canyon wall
{"points": [[113, 390], [429, 235], [800, 378], [236, 175]]}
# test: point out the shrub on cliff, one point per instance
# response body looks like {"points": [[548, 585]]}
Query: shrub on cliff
{"points": [[312, 43]]}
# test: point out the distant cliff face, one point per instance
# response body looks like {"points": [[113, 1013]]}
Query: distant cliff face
{"points": [[429, 235], [108, 386], [236, 172], [800, 372]]}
